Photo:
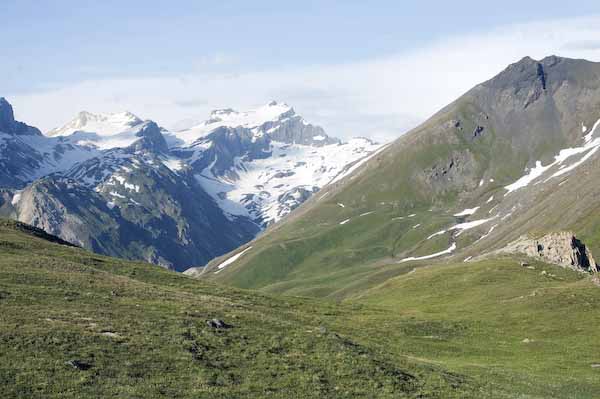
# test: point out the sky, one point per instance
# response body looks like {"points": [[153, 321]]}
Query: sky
{"points": [[357, 68]]}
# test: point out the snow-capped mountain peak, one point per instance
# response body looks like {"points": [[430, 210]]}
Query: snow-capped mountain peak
{"points": [[264, 119], [100, 124], [116, 130], [229, 117]]}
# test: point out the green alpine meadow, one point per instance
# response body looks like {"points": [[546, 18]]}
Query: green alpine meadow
{"points": [[299, 200]]}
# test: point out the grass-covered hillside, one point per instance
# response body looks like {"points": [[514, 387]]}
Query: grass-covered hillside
{"points": [[529, 332], [74, 324]]}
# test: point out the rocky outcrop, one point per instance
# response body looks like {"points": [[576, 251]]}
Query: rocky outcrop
{"points": [[562, 248], [9, 125], [150, 139], [292, 129]]}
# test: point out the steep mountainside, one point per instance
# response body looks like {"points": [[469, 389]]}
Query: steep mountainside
{"points": [[515, 155]]}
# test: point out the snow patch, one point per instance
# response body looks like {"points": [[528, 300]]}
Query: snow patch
{"points": [[439, 233], [115, 194], [173, 164], [235, 257], [467, 212], [16, 198], [488, 233], [470, 225], [435, 255], [524, 181], [589, 148]]}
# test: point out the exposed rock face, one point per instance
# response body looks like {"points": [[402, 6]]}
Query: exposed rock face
{"points": [[150, 139], [562, 248], [8, 124]]}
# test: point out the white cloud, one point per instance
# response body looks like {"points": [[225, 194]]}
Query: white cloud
{"points": [[379, 98]]}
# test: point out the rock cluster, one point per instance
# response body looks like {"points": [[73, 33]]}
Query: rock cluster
{"points": [[561, 248]]}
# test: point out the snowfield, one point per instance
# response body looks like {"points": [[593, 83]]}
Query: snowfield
{"points": [[263, 183]]}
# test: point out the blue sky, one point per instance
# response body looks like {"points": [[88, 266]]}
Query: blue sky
{"points": [[56, 46]]}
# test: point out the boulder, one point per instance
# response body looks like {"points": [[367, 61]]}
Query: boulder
{"points": [[78, 364], [561, 248], [216, 323]]}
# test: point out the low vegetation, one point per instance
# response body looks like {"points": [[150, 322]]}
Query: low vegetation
{"points": [[74, 324]]}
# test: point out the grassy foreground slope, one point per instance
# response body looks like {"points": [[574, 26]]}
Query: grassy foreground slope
{"points": [[531, 331], [74, 324]]}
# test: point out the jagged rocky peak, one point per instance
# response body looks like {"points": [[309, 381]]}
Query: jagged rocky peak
{"points": [[521, 76], [7, 117], [548, 73], [150, 139], [218, 114], [9, 125], [560, 248]]}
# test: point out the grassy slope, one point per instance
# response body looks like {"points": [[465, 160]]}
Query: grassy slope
{"points": [[60, 304], [475, 318], [458, 330]]}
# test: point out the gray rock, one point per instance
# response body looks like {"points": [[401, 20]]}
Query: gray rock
{"points": [[562, 248], [218, 324], [78, 364], [8, 123]]}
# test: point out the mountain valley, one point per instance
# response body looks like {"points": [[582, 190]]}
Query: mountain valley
{"points": [[458, 261]]}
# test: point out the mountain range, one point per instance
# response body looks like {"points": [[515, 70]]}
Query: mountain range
{"points": [[514, 156], [455, 262], [126, 187]]}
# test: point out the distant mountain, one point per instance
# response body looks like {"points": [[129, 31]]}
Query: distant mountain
{"points": [[126, 187], [106, 131], [25, 154], [276, 120], [264, 163], [516, 155]]}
